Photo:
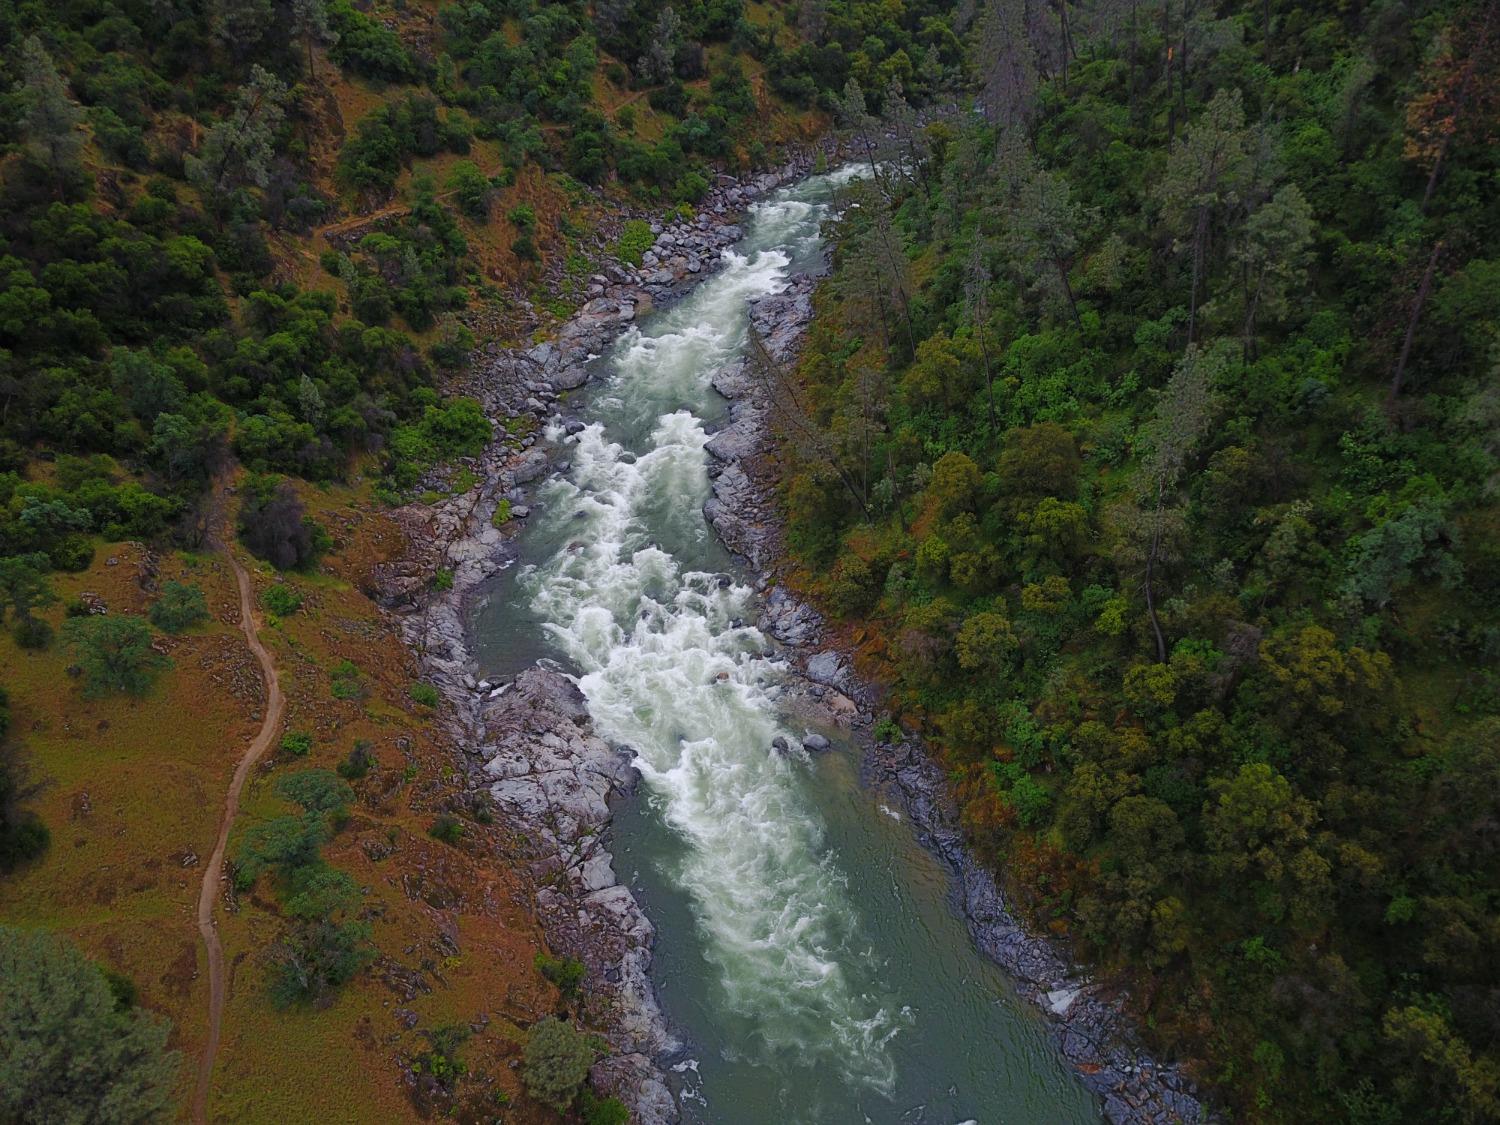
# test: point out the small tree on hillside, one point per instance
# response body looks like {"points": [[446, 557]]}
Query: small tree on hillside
{"points": [[115, 653]]}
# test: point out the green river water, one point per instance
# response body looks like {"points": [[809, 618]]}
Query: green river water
{"points": [[809, 955]]}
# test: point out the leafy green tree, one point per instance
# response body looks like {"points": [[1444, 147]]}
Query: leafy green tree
{"points": [[986, 643], [115, 653], [326, 944], [69, 1052]]}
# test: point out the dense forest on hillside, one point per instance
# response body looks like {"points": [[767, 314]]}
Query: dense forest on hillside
{"points": [[1147, 440], [258, 235]]}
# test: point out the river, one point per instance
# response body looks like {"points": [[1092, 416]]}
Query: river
{"points": [[808, 952]]}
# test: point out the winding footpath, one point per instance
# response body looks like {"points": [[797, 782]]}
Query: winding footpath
{"points": [[213, 873]]}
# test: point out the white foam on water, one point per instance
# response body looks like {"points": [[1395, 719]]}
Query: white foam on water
{"points": [[668, 670]]}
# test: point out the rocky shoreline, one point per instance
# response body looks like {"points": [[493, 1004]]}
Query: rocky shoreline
{"points": [[529, 743], [1089, 1022]]}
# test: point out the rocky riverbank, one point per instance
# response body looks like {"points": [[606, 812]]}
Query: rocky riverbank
{"points": [[1089, 1021], [529, 743]]}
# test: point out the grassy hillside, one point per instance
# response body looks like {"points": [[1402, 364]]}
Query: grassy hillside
{"points": [[1155, 469]]}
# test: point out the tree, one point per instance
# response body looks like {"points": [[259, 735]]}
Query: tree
{"points": [[954, 484], [985, 643], [23, 836], [1182, 416], [472, 189], [556, 1062], [1273, 253], [977, 308], [69, 1052], [1040, 460], [276, 527], [1005, 60], [326, 944], [1458, 102], [115, 653], [239, 150], [659, 62], [50, 118], [24, 585], [310, 21], [1043, 232], [1202, 177]]}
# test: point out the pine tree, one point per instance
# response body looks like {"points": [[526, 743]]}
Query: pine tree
{"points": [[50, 119]]}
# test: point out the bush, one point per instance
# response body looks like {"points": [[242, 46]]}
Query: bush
{"points": [[320, 792], [603, 1111], [502, 514], [447, 828], [357, 764], [68, 1050], [346, 681], [472, 189], [324, 946], [565, 972], [556, 1062], [452, 347], [282, 599], [32, 633], [115, 654], [635, 239], [425, 694], [297, 743], [180, 607]]}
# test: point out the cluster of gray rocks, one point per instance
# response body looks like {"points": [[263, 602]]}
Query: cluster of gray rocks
{"points": [[530, 742]]}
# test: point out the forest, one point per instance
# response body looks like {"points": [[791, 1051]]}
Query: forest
{"points": [[182, 318], [1146, 442]]}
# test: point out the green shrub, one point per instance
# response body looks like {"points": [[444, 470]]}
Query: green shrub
{"points": [[502, 514], [320, 792], [357, 764], [440, 1061], [635, 239], [602, 1111], [442, 579], [565, 972], [447, 828], [297, 743], [347, 682], [180, 607], [32, 633], [472, 190], [425, 694], [282, 599]]}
